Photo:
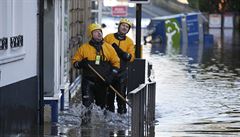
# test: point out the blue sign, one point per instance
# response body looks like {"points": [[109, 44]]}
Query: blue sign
{"points": [[192, 29]]}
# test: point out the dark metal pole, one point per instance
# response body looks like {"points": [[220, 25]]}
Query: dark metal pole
{"points": [[138, 30], [40, 61]]}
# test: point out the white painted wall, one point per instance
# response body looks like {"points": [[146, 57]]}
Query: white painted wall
{"points": [[58, 46], [18, 17]]}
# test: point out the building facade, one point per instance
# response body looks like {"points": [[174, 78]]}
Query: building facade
{"points": [[37, 40]]}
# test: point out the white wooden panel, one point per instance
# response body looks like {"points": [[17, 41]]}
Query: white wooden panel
{"points": [[19, 63]]}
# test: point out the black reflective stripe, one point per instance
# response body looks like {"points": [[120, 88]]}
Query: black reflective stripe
{"points": [[103, 58]]}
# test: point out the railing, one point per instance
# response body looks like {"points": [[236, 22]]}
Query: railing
{"points": [[143, 110]]}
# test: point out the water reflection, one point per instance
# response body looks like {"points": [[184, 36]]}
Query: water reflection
{"points": [[80, 121], [198, 94], [226, 49], [198, 91]]}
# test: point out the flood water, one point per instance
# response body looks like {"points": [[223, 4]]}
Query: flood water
{"points": [[197, 95]]}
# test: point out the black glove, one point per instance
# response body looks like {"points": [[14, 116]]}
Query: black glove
{"points": [[118, 50], [126, 56], [111, 77], [123, 55], [81, 64]]}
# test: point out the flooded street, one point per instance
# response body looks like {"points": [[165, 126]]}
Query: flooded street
{"points": [[198, 94], [184, 81], [79, 121]]}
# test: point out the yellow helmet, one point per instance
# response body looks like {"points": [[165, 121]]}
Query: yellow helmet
{"points": [[125, 20], [92, 27]]}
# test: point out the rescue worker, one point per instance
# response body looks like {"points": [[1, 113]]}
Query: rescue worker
{"points": [[103, 58], [125, 49]]}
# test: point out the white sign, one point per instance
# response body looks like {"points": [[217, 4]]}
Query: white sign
{"points": [[215, 20], [228, 21]]}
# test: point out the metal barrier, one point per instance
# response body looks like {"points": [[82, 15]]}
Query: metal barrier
{"points": [[143, 110]]}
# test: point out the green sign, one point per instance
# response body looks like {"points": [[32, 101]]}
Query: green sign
{"points": [[173, 35]]}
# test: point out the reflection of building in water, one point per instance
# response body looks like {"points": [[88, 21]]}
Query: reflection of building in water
{"points": [[170, 33], [226, 46]]}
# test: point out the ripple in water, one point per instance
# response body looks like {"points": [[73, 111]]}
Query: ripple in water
{"points": [[92, 121]]}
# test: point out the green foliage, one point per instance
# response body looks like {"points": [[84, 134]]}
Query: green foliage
{"points": [[193, 3], [212, 5]]}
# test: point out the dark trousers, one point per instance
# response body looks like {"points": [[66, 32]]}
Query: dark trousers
{"points": [[93, 91], [121, 88], [100, 95]]}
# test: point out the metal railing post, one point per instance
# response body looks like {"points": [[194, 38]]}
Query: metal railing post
{"points": [[137, 127], [151, 108], [143, 110]]}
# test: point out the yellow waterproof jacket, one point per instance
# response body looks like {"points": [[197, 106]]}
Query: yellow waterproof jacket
{"points": [[89, 52], [126, 45]]}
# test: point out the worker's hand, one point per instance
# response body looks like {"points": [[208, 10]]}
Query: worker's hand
{"points": [[111, 77], [126, 56], [83, 64]]}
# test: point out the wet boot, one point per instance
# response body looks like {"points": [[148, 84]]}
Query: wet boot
{"points": [[122, 109], [110, 101], [111, 108], [86, 117]]}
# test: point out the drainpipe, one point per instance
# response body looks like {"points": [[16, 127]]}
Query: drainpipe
{"points": [[40, 62]]}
